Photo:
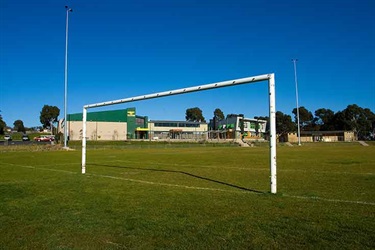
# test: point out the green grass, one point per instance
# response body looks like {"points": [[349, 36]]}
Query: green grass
{"points": [[185, 196]]}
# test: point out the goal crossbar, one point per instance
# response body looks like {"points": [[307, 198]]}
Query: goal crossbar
{"points": [[246, 80]]}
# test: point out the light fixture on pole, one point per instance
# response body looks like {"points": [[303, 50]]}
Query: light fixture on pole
{"points": [[66, 77], [295, 78]]}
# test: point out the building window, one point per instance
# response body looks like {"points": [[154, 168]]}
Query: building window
{"points": [[177, 124], [140, 121]]}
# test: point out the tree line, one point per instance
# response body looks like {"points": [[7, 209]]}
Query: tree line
{"points": [[48, 115], [352, 118]]}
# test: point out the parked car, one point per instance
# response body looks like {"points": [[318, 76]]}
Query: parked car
{"points": [[25, 138], [7, 137], [44, 138]]}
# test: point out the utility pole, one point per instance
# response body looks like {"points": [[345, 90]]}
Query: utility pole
{"points": [[66, 77], [295, 78]]}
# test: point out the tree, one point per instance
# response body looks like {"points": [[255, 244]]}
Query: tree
{"points": [[48, 115], [2, 125], [18, 125], [305, 118], [339, 121], [284, 123], [194, 115], [218, 114], [358, 120], [325, 119]]}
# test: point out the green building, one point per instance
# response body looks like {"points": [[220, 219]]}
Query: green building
{"points": [[120, 124]]}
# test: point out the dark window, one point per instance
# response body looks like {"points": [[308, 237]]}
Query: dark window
{"points": [[140, 121], [177, 124]]}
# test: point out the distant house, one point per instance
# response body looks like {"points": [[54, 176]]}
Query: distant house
{"points": [[237, 127], [177, 130], [317, 136]]}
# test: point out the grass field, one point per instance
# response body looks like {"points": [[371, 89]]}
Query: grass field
{"points": [[188, 197]]}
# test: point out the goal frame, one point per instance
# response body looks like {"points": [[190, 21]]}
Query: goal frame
{"points": [[246, 80]]}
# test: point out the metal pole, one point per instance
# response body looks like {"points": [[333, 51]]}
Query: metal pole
{"points": [[84, 128], [66, 77], [252, 79], [295, 78], [269, 77], [271, 89]]}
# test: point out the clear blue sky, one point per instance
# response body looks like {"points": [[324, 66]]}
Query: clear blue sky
{"points": [[120, 49]]}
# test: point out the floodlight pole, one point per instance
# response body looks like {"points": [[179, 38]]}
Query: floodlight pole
{"points": [[66, 77], [295, 79], [247, 80]]}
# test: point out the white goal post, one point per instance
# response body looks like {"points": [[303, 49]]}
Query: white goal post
{"points": [[246, 80]]}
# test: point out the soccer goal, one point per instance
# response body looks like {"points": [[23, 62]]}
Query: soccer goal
{"points": [[246, 80]]}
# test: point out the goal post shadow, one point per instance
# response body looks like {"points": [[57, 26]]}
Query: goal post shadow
{"points": [[183, 173], [247, 80]]}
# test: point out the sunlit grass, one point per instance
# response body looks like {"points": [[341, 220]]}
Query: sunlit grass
{"points": [[189, 197]]}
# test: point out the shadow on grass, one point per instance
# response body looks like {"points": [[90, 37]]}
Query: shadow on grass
{"points": [[185, 173]]}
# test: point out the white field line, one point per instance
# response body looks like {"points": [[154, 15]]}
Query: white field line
{"points": [[330, 200], [128, 179], [241, 168], [190, 187], [166, 184]]}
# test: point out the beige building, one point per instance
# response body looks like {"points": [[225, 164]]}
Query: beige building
{"points": [[316, 136], [126, 125], [107, 125], [97, 131], [177, 130]]}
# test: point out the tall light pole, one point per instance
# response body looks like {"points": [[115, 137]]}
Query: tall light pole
{"points": [[295, 78], [66, 77]]}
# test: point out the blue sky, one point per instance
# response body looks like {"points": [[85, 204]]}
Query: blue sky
{"points": [[120, 49]]}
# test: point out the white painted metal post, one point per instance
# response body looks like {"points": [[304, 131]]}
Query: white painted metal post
{"points": [[84, 118], [271, 87], [272, 111], [246, 80]]}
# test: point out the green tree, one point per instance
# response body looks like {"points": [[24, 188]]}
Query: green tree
{"points": [[305, 118], [218, 114], [194, 115], [284, 123], [2, 125], [18, 126], [49, 114], [325, 119], [339, 121], [359, 120]]}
